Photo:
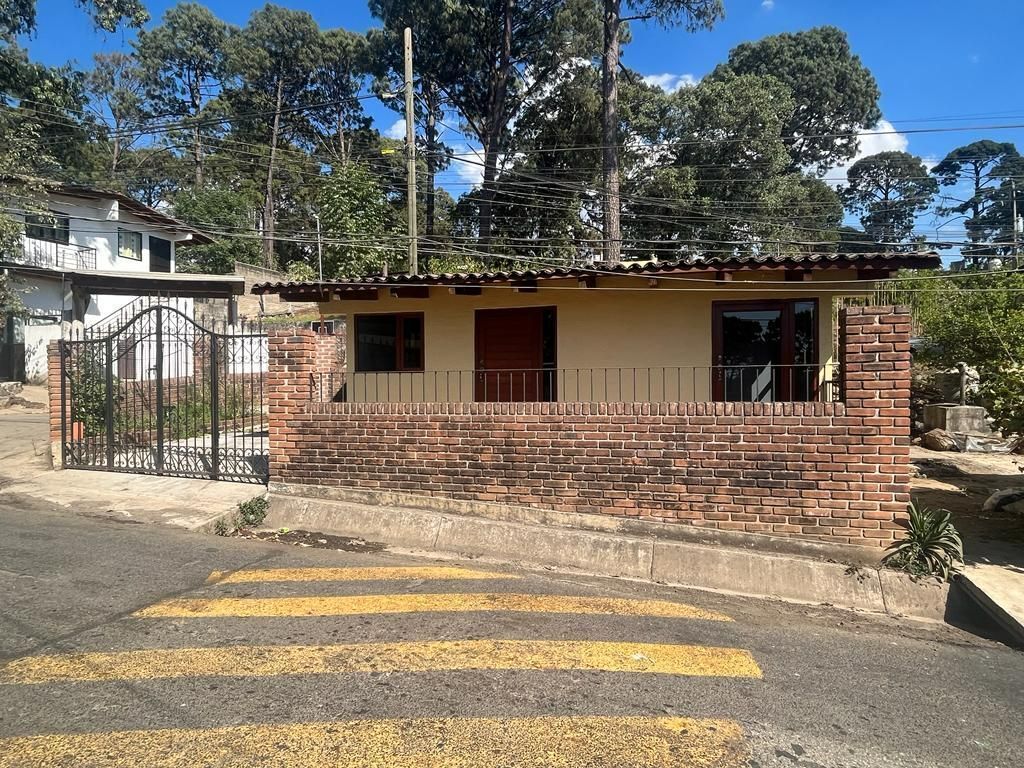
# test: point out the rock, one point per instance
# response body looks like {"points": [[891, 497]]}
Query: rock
{"points": [[1007, 500], [939, 440]]}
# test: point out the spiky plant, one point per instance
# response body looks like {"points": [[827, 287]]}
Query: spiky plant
{"points": [[931, 547]]}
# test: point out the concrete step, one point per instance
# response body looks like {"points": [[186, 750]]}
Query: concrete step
{"points": [[999, 590]]}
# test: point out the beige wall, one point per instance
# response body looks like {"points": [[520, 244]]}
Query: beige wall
{"points": [[623, 323]]}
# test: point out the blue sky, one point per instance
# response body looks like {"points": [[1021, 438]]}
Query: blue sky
{"points": [[939, 63]]}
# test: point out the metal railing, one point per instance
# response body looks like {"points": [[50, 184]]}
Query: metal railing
{"points": [[734, 383], [52, 255]]}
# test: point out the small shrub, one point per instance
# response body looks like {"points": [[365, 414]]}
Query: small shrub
{"points": [[220, 528], [932, 547], [253, 512]]}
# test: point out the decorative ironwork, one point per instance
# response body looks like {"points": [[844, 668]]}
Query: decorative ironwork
{"points": [[163, 395]]}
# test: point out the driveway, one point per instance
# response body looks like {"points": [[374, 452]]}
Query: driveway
{"points": [[26, 475]]}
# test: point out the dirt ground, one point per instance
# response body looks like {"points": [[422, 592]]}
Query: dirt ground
{"points": [[961, 482]]}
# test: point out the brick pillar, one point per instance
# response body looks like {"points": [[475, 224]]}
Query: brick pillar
{"points": [[875, 360], [53, 374], [291, 360]]}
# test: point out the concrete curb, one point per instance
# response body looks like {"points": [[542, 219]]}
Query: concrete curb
{"points": [[789, 577]]}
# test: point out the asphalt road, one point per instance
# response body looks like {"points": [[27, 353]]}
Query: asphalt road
{"points": [[138, 645]]}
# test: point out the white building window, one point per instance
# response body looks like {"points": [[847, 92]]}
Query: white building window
{"points": [[53, 228], [129, 244]]}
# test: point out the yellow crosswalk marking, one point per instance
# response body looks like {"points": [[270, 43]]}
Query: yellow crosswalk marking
{"points": [[336, 605], [244, 661], [551, 742], [352, 574]]}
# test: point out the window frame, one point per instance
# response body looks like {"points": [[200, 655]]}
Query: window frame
{"points": [[786, 307], [400, 318], [61, 227], [121, 231]]}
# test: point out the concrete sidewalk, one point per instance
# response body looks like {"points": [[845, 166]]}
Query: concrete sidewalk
{"points": [[994, 577], [193, 504]]}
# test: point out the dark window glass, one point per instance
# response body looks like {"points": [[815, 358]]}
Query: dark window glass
{"points": [[52, 228], [375, 343], [412, 342], [751, 350], [805, 372], [389, 343]]}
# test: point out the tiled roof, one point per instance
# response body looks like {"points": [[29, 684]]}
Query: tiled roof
{"points": [[866, 261]]}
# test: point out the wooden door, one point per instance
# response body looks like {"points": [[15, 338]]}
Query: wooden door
{"points": [[510, 356]]}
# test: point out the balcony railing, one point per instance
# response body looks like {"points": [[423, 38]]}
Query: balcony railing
{"points": [[733, 383], [53, 255]]}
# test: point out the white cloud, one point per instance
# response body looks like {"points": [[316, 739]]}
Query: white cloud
{"points": [[397, 129], [670, 82], [768, 4], [883, 137], [468, 164]]}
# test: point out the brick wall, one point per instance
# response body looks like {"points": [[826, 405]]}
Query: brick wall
{"points": [[53, 351], [330, 350], [832, 471]]}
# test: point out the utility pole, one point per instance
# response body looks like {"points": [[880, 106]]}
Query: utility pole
{"points": [[410, 152], [319, 248]]}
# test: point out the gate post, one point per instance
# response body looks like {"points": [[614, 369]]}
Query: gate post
{"points": [[159, 366], [57, 397], [291, 362], [109, 408], [214, 410]]}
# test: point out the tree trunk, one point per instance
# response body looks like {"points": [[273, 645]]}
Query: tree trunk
{"points": [[268, 196], [610, 130], [197, 134], [495, 127], [116, 150], [430, 97], [430, 204]]}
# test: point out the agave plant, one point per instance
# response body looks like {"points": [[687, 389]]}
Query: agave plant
{"points": [[932, 545]]}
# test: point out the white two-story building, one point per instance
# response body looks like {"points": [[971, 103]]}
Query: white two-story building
{"points": [[89, 259]]}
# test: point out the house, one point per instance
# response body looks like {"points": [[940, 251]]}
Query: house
{"points": [[727, 392], [92, 257], [716, 329]]}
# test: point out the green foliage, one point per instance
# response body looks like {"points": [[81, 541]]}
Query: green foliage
{"points": [[182, 61], [356, 221], [983, 166], [221, 527], [835, 92], [253, 512], [220, 210], [301, 272], [888, 190], [11, 304], [979, 319], [18, 17], [932, 546], [87, 374]]}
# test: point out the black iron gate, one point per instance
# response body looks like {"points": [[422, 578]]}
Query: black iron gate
{"points": [[163, 395]]}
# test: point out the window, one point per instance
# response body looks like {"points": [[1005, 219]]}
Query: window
{"points": [[389, 343], [53, 228], [765, 351], [129, 244]]}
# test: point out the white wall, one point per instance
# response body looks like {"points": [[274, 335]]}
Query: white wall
{"points": [[44, 299]]}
